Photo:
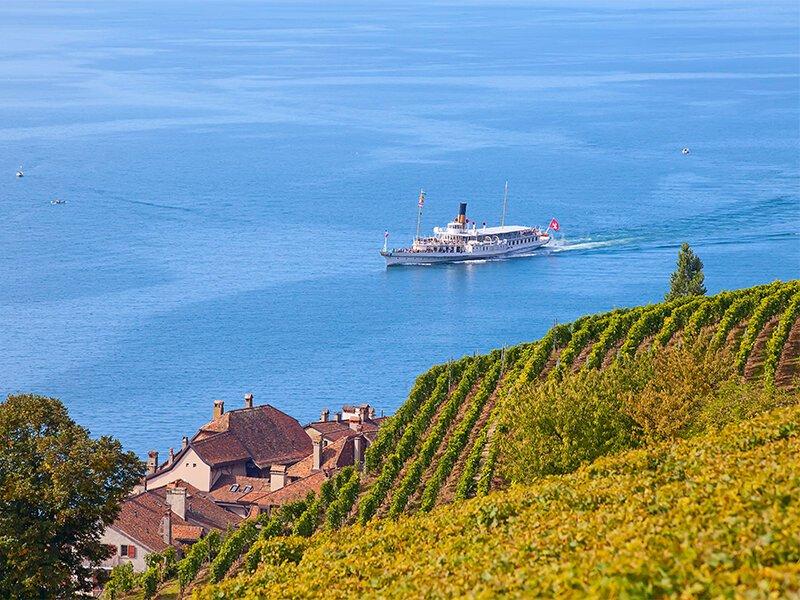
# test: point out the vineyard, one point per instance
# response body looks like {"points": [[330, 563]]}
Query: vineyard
{"points": [[664, 521], [444, 446], [447, 441]]}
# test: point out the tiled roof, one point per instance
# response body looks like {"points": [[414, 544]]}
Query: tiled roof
{"points": [[221, 490], [296, 490], [140, 519], [186, 533], [326, 427], [346, 456], [332, 458], [201, 509], [141, 516], [220, 449], [338, 434], [263, 433]]}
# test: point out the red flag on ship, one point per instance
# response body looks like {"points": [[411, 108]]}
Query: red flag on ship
{"points": [[554, 225]]}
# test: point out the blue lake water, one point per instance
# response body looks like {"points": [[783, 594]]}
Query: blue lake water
{"points": [[229, 169]]}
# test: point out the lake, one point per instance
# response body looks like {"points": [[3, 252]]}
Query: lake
{"points": [[229, 168]]}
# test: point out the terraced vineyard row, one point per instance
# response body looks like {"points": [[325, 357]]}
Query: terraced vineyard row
{"points": [[457, 457]]}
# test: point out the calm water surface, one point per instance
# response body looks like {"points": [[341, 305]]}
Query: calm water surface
{"points": [[229, 169]]}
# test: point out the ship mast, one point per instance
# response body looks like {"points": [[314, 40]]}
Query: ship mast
{"points": [[505, 203], [420, 204]]}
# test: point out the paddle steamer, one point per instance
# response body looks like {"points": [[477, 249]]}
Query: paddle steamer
{"points": [[462, 240]]}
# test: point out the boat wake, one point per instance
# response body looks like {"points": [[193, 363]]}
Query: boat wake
{"points": [[586, 244]]}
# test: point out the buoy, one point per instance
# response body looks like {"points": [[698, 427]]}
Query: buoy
{"points": [[685, 151]]}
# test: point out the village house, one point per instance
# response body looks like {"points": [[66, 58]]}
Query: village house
{"points": [[309, 474], [254, 459], [175, 515], [350, 421], [247, 496], [251, 442]]}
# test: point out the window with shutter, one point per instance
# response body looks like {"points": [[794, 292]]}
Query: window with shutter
{"points": [[123, 550], [132, 551]]}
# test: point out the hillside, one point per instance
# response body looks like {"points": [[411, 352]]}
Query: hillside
{"points": [[713, 515], [441, 444], [585, 391]]}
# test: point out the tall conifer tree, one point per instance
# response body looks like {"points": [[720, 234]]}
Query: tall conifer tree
{"points": [[688, 278]]}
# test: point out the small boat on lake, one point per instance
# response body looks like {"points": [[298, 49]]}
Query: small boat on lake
{"points": [[57, 201], [20, 172]]}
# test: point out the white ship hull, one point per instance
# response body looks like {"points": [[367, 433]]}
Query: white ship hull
{"points": [[405, 257]]}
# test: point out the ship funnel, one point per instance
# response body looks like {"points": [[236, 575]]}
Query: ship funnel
{"points": [[462, 213]]}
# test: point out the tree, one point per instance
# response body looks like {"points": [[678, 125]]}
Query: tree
{"points": [[59, 488], [687, 280]]}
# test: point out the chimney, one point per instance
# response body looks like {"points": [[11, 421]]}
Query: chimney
{"points": [[358, 451], [171, 458], [355, 423], [166, 527], [371, 412], [317, 443], [248, 400], [462, 213], [324, 415], [176, 498], [184, 443], [277, 477], [152, 461], [219, 408], [338, 417]]}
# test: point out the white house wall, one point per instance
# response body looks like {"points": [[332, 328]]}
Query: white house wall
{"points": [[116, 538], [190, 469]]}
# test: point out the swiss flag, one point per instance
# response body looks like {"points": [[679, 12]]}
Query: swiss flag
{"points": [[554, 225]]}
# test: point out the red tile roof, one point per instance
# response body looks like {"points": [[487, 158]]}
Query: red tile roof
{"points": [[220, 449], [334, 455], [140, 519], [141, 516], [221, 491], [201, 509], [263, 434], [186, 533], [296, 490]]}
